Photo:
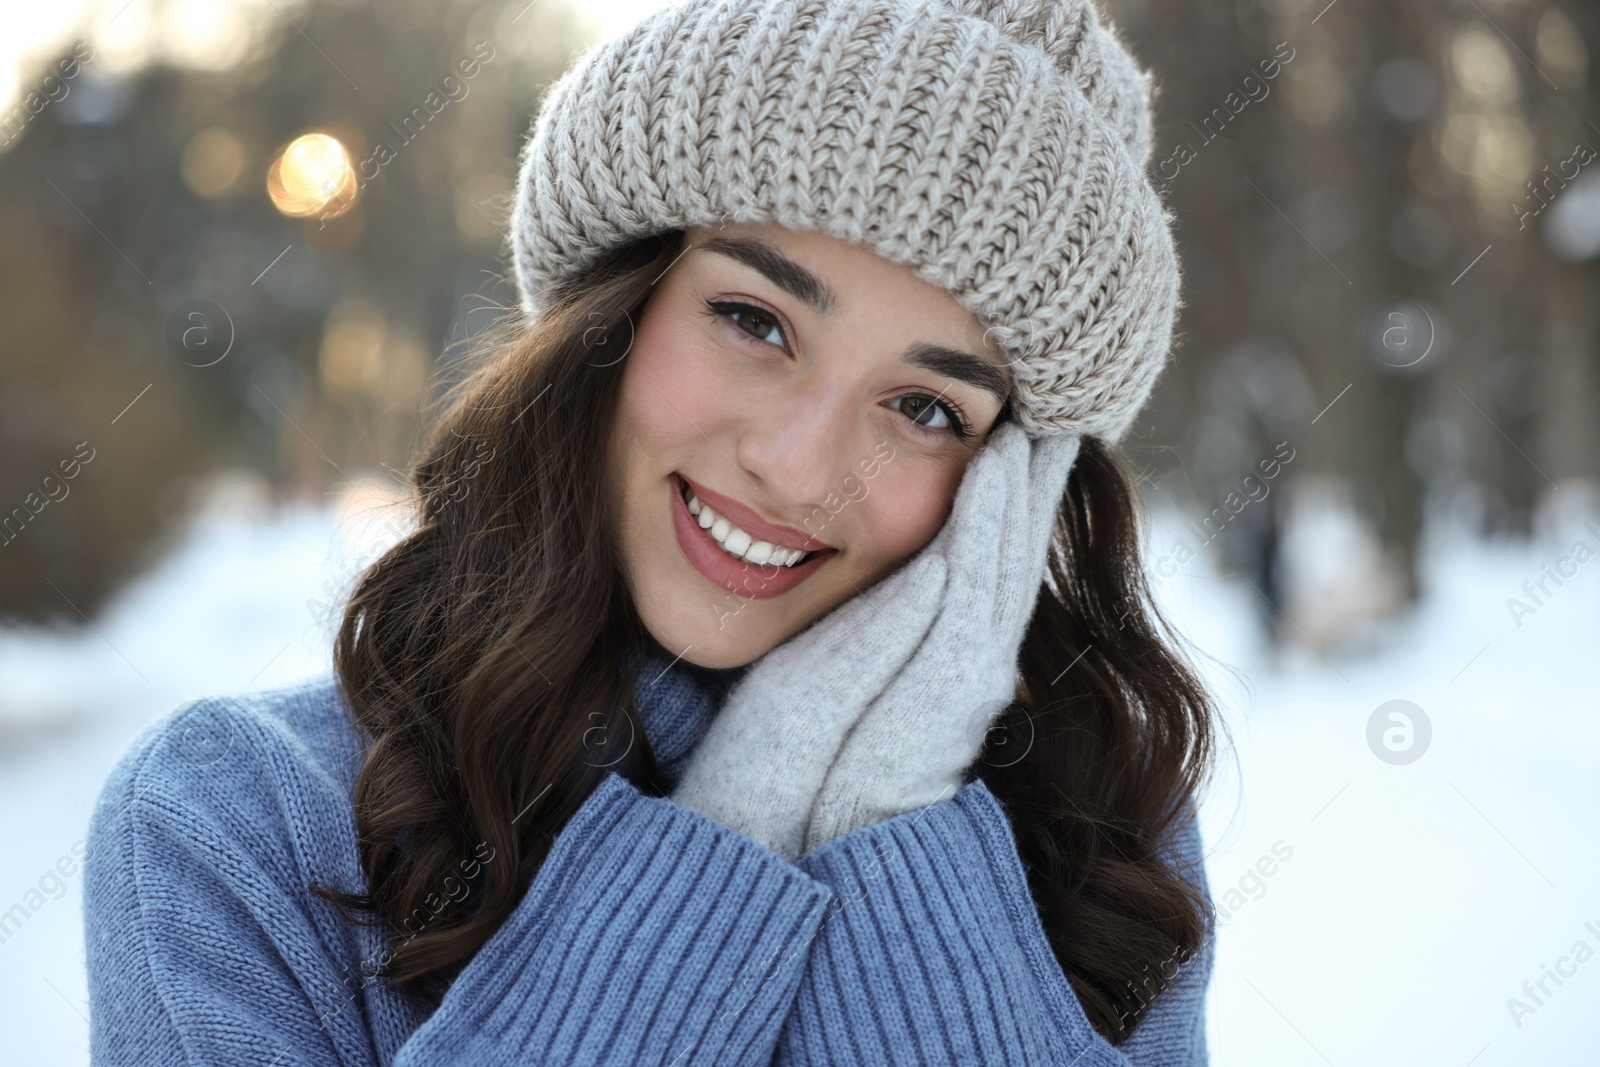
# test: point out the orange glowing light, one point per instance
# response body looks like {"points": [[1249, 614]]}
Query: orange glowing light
{"points": [[312, 175]]}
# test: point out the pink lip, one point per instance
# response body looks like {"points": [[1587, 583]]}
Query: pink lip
{"points": [[750, 580], [753, 524]]}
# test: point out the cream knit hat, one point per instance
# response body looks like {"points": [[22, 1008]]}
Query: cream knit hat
{"points": [[997, 147]]}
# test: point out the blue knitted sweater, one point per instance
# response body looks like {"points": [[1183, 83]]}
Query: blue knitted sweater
{"points": [[651, 934]]}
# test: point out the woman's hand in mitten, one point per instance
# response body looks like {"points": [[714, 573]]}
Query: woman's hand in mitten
{"points": [[759, 766], [914, 744]]}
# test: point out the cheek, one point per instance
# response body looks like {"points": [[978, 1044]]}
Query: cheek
{"points": [[671, 390], [904, 507]]}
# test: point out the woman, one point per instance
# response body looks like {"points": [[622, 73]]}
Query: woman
{"points": [[771, 675]]}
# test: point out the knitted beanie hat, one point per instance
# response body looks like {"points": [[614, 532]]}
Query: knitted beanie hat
{"points": [[996, 147]]}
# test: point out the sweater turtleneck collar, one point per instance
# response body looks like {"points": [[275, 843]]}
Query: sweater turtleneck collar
{"points": [[677, 701]]}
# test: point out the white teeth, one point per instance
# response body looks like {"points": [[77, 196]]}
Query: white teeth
{"points": [[739, 544]]}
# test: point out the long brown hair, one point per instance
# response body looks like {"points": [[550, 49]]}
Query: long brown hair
{"points": [[487, 656]]}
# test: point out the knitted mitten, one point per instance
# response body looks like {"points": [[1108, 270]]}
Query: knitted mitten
{"points": [[913, 745], [759, 766]]}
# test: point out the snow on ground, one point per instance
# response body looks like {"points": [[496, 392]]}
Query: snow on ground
{"points": [[1378, 913], [1417, 898], [244, 602]]}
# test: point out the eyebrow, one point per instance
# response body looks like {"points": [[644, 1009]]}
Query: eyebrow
{"points": [[962, 366], [812, 291]]}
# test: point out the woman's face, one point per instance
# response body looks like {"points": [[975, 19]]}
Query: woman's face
{"points": [[816, 397]]}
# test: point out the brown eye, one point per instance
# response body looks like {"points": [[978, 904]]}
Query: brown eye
{"points": [[933, 415], [756, 322]]}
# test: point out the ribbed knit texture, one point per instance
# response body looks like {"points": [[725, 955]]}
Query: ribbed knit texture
{"points": [[996, 147], [651, 935], [932, 952]]}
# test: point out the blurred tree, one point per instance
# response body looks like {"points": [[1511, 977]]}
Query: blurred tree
{"points": [[1336, 202], [157, 303]]}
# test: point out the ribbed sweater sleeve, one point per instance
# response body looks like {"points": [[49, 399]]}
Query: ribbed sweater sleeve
{"points": [[649, 942], [1173, 1032], [650, 934], [932, 952]]}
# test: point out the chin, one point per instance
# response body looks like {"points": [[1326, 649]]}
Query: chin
{"points": [[722, 661], [707, 644]]}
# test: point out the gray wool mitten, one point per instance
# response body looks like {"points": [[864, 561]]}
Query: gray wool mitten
{"points": [[763, 758], [913, 745]]}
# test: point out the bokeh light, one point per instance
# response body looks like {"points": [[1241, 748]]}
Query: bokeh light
{"points": [[312, 175], [213, 162], [351, 356]]}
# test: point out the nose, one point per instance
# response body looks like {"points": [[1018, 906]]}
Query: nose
{"points": [[800, 443]]}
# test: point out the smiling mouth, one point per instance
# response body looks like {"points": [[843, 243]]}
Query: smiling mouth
{"points": [[736, 542]]}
